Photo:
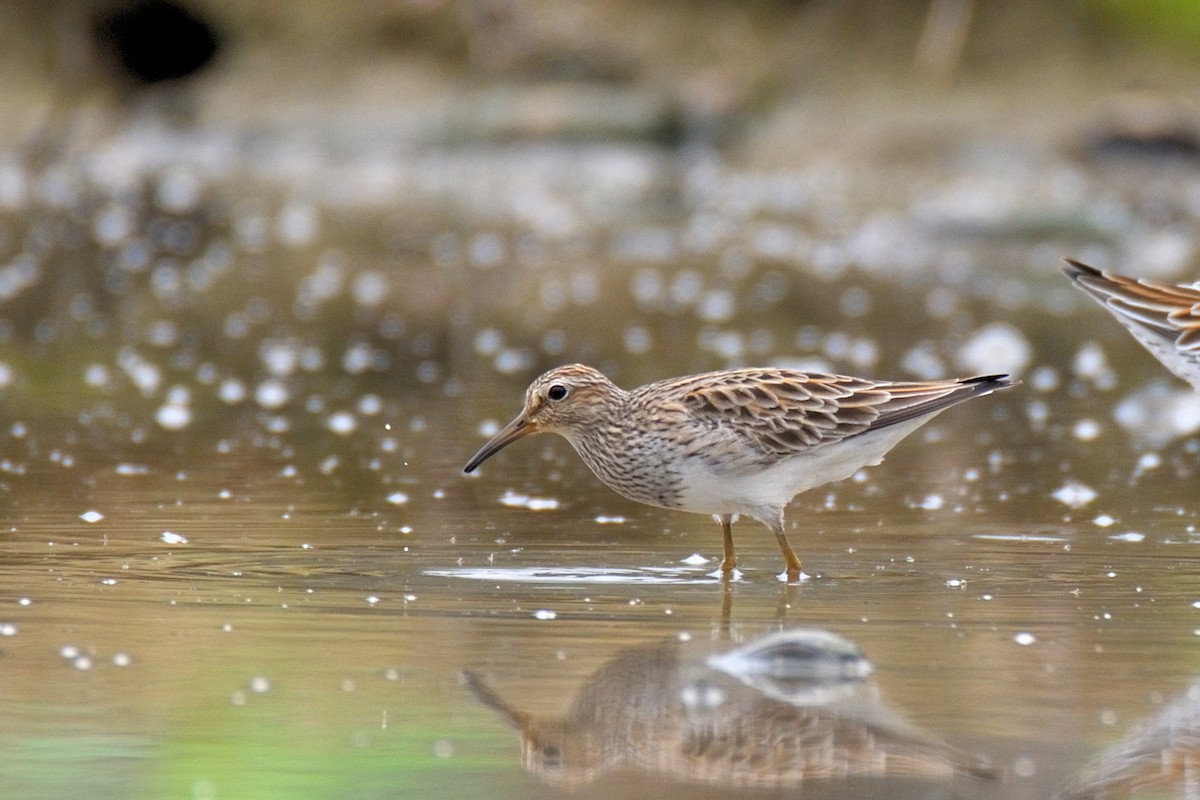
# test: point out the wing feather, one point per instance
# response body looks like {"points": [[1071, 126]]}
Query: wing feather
{"points": [[1165, 318], [1162, 308], [785, 412]]}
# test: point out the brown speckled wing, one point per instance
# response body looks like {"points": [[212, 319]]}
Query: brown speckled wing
{"points": [[1172, 312], [1163, 317], [773, 744], [787, 412]]}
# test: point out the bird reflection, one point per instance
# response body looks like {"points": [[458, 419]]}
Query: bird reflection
{"points": [[774, 713], [1160, 755]]}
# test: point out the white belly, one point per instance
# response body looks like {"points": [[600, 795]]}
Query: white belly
{"points": [[714, 491]]}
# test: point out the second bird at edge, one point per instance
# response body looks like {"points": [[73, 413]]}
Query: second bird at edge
{"points": [[730, 443], [1164, 317]]}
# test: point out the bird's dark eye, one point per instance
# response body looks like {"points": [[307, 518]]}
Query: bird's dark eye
{"points": [[556, 392]]}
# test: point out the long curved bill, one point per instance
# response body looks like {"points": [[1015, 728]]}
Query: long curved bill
{"points": [[507, 435]]}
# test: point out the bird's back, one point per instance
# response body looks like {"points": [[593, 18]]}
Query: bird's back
{"points": [[747, 441]]}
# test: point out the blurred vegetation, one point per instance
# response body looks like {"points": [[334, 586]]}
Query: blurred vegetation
{"points": [[1174, 22]]}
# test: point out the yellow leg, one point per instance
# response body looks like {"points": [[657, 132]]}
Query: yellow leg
{"points": [[789, 555], [729, 561]]}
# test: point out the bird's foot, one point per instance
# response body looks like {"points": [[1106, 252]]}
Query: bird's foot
{"points": [[726, 575]]}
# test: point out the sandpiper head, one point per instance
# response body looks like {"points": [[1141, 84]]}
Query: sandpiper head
{"points": [[554, 750], [561, 401]]}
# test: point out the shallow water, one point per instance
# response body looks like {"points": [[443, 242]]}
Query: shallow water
{"points": [[307, 636], [241, 559]]}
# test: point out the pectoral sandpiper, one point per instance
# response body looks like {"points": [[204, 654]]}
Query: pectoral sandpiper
{"points": [[739, 442], [1164, 317]]}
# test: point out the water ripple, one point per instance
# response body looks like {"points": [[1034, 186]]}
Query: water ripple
{"points": [[583, 575]]}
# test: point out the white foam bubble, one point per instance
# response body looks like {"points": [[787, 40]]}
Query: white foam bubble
{"points": [[271, 393], [369, 289], [342, 423], [1074, 494], [231, 391], [996, 347]]}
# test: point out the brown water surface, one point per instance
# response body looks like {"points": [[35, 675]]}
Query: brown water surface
{"points": [[239, 379], [305, 632]]}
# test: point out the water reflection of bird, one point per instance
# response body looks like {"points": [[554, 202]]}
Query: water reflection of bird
{"points": [[730, 443], [1164, 317], [660, 712], [1159, 756]]}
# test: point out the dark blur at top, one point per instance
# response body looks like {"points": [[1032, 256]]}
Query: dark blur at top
{"points": [[154, 41], [671, 72]]}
